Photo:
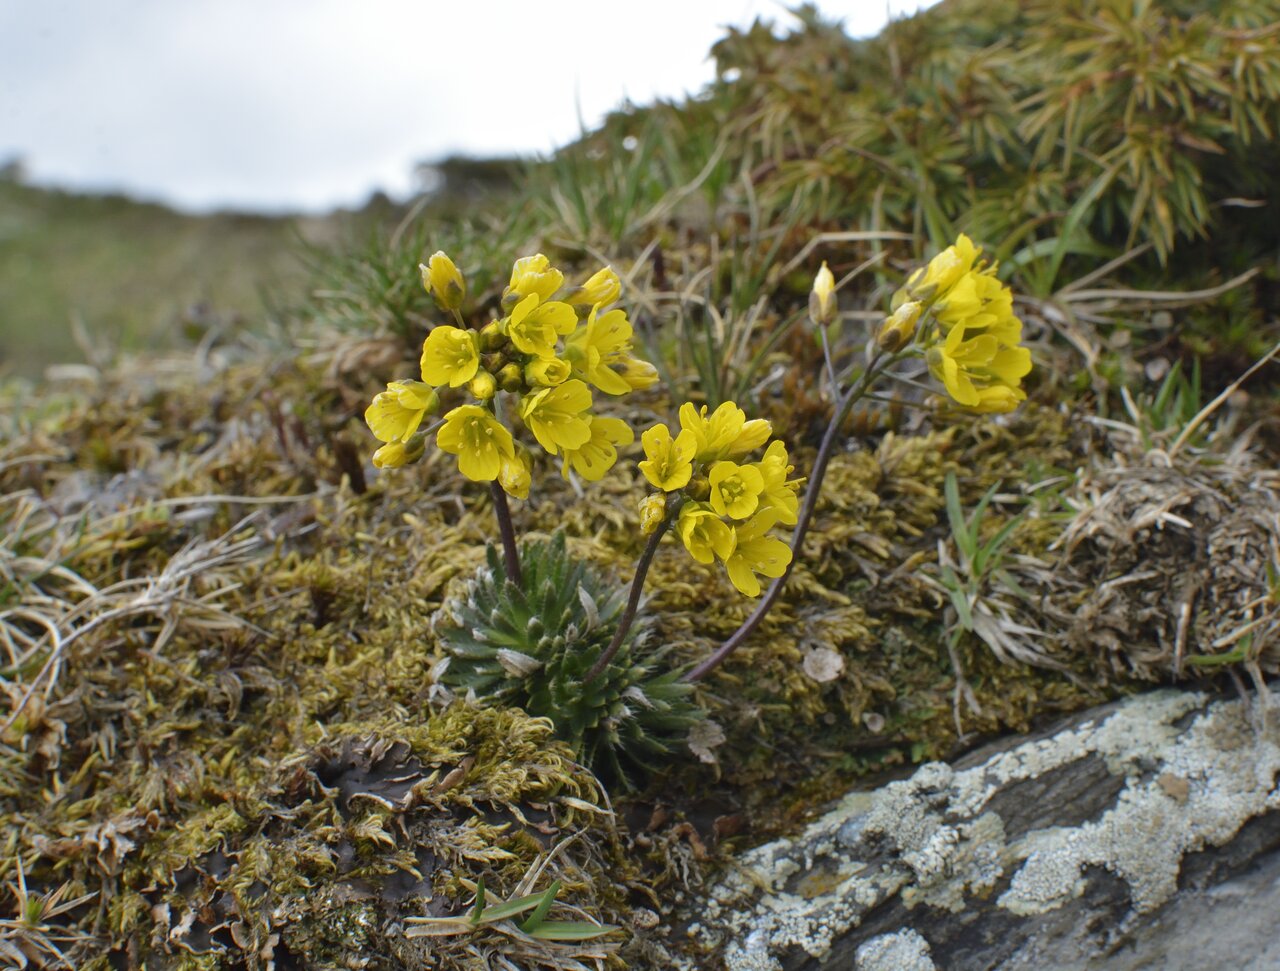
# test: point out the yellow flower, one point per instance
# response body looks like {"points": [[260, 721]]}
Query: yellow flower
{"points": [[396, 413], [999, 398], [601, 344], [597, 456], [532, 274], [443, 281], [395, 454], [756, 552], [967, 366], [534, 327], [899, 327], [450, 356], [714, 436], [942, 273], [547, 372], [601, 289], [556, 415], [703, 533], [735, 489], [977, 300], [670, 462], [822, 299], [478, 439], [779, 494], [653, 509], [516, 473]]}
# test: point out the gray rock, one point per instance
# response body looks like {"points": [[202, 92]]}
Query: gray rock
{"points": [[1141, 835]]}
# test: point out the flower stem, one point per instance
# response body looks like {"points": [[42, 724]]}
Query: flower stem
{"points": [[502, 511], [820, 463], [674, 502]]}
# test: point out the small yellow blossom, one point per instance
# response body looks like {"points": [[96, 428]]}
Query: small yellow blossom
{"points": [[669, 464], [899, 327], [704, 534], [716, 436], [534, 326], [443, 281], [547, 372], [822, 299], [779, 494], [396, 413], [532, 274], [601, 289], [999, 398], [516, 473], [943, 272], [735, 489], [556, 416], [967, 366], [653, 509], [592, 460], [598, 346], [478, 439], [754, 551], [450, 355]]}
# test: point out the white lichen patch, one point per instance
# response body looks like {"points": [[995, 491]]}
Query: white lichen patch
{"points": [[901, 951], [1229, 763], [933, 839]]}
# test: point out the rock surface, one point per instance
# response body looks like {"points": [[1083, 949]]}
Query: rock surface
{"points": [[1143, 834]]}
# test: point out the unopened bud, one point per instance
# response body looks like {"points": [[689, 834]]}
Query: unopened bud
{"points": [[443, 281], [899, 327], [510, 378], [601, 289], [699, 488], [652, 510], [483, 386], [822, 298], [393, 455], [491, 336]]}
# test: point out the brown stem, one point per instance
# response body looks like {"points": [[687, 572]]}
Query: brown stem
{"points": [[502, 511], [802, 524], [637, 586]]}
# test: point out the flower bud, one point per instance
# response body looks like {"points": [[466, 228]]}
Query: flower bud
{"points": [[699, 488], [510, 378], [516, 474], [491, 336], [393, 455], [600, 290], [547, 372], [483, 386], [443, 281], [652, 510], [822, 299], [899, 327]]}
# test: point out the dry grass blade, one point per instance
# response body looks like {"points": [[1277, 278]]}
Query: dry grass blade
{"points": [[184, 593]]}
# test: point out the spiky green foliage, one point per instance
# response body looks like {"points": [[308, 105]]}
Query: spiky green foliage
{"points": [[531, 644]]}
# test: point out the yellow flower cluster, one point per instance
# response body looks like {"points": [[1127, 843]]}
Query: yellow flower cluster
{"points": [[975, 351], [547, 354], [728, 506]]}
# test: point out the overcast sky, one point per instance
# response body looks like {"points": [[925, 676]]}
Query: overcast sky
{"points": [[306, 104]]}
